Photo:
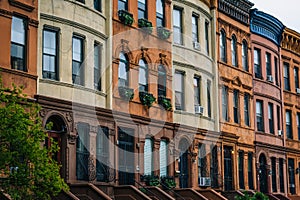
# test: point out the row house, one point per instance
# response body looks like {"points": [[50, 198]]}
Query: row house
{"points": [[266, 33], [290, 61], [235, 95]]}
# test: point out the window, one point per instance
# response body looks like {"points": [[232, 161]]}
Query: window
{"points": [[160, 21], [298, 124], [50, 54], [82, 151], [102, 150], [271, 118], [276, 71], [97, 5], [142, 9], [296, 76], [162, 81], [236, 106], [223, 46], [177, 26], [148, 159], [225, 103], [179, 94], [268, 64], [123, 70], [77, 61], [18, 44], [259, 116], [278, 117], [286, 76], [233, 51], [274, 175], [208, 98], [163, 158], [291, 172], [241, 170], [195, 33], [207, 37], [202, 161], [288, 124], [257, 64], [245, 55], [122, 5], [97, 66], [246, 109], [250, 171], [281, 178], [197, 91], [143, 76]]}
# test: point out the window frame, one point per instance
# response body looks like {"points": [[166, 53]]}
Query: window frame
{"points": [[260, 115], [223, 46], [257, 63], [197, 90], [143, 9], [298, 124], [208, 90], [195, 28], [181, 92], [234, 60], [207, 37], [124, 5], [126, 64], [162, 74], [296, 77], [81, 62], [271, 118], [236, 107], [246, 109], [145, 68], [245, 55], [49, 74], [286, 76], [288, 124], [268, 64], [225, 95], [98, 70], [177, 29], [146, 160], [160, 16], [98, 5], [161, 151]]}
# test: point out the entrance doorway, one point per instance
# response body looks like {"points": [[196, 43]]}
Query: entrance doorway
{"points": [[263, 177], [126, 156], [228, 172], [183, 164]]}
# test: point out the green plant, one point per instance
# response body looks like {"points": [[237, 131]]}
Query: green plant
{"points": [[126, 93], [145, 25], [168, 182], [163, 33], [147, 99], [256, 196], [125, 17], [165, 102], [150, 180]]}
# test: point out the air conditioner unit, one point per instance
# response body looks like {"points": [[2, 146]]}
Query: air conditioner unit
{"points": [[270, 78], [199, 109], [204, 181], [298, 90], [279, 132], [196, 45]]}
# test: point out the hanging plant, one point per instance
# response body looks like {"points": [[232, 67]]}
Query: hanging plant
{"points": [[145, 25], [163, 33], [125, 17], [165, 102], [147, 99], [126, 93]]}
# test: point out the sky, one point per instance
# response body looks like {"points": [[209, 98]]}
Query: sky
{"points": [[287, 11]]}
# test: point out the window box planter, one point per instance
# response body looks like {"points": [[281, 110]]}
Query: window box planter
{"points": [[150, 180], [167, 182], [165, 102], [147, 99], [126, 93], [163, 33], [125, 17], [145, 25]]}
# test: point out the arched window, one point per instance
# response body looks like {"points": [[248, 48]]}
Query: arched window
{"points": [[160, 21], [163, 158], [233, 51], [143, 76], [223, 46], [123, 70], [162, 81], [148, 148], [245, 55]]}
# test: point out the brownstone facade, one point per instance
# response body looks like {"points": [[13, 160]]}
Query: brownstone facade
{"points": [[18, 53]]}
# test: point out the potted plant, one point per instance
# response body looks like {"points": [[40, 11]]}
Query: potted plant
{"points": [[165, 102], [147, 99], [168, 182], [163, 33], [145, 25], [126, 93], [125, 17], [150, 180]]}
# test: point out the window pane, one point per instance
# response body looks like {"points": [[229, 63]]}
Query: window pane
{"points": [[148, 157], [97, 70], [49, 44], [18, 30], [77, 49], [196, 91], [49, 63], [163, 158], [122, 5], [143, 76]]}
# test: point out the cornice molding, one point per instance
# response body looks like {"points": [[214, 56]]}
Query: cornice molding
{"points": [[291, 40], [195, 6]]}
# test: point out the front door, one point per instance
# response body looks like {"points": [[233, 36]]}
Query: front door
{"points": [[183, 167], [126, 156], [263, 177], [56, 137], [228, 179]]}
